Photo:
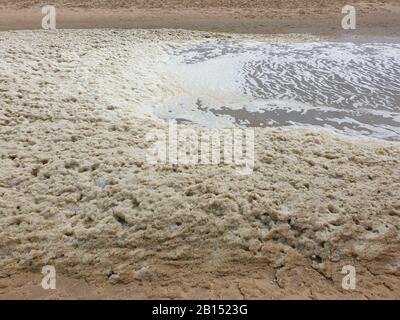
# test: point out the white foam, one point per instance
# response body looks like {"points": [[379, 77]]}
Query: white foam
{"points": [[200, 81], [354, 80]]}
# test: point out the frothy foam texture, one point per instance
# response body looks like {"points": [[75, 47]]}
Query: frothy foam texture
{"points": [[348, 87]]}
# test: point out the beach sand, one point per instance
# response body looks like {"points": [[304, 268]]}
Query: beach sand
{"points": [[77, 192], [374, 17]]}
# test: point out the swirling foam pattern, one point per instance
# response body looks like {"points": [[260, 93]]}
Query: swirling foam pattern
{"points": [[350, 87]]}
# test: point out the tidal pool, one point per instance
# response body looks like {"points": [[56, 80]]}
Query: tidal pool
{"points": [[350, 87]]}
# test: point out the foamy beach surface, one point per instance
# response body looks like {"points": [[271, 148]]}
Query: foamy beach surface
{"points": [[77, 191], [352, 88]]}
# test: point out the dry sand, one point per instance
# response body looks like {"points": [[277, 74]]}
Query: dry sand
{"points": [[77, 192]]}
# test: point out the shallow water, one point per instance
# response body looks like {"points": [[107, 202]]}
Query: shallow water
{"points": [[351, 87]]}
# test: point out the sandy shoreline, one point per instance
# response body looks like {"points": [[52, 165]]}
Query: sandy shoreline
{"points": [[257, 17], [77, 193]]}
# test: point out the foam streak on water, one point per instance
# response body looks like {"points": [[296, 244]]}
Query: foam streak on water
{"points": [[353, 88]]}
